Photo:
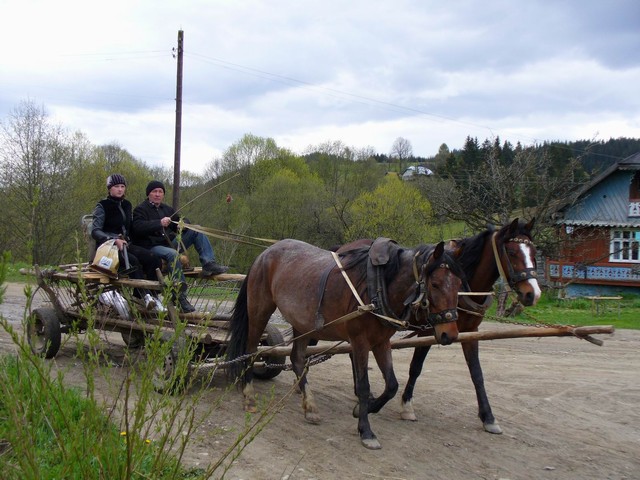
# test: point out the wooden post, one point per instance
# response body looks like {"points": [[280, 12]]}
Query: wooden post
{"points": [[176, 153]]}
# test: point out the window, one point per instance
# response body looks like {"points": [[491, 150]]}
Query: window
{"points": [[625, 246]]}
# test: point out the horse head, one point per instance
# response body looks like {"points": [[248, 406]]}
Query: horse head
{"points": [[442, 277], [516, 258]]}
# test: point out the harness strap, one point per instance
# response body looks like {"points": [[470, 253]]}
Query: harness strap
{"points": [[499, 263], [399, 324]]}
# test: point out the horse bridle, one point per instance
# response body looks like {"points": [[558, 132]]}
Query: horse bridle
{"points": [[515, 276], [420, 304]]}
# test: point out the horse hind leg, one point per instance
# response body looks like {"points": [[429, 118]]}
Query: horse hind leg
{"points": [[363, 389], [249, 398], [415, 369], [309, 406]]}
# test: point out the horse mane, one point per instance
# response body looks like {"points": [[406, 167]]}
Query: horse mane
{"points": [[472, 247]]}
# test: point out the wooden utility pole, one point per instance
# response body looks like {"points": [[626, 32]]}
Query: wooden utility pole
{"points": [[176, 157]]}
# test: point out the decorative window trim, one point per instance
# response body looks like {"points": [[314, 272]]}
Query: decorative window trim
{"points": [[624, 246]]}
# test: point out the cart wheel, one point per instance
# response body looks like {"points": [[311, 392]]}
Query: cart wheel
{"points": [[133, 338], [43, 332], [270, 366], [166, 377]]}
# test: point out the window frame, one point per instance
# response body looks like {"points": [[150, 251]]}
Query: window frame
{"points": [[624, 242]]}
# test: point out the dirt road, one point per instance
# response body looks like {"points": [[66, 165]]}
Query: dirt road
{"points": [[569, 410]]}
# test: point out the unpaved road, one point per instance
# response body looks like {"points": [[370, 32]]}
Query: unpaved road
{"points": [[569, 410]]}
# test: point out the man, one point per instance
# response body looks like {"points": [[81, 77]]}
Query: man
{"points": [[112, 219], [155, 227]]}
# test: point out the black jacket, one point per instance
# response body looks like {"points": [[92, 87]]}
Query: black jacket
{"points": [[148, 232], [111, 218]]}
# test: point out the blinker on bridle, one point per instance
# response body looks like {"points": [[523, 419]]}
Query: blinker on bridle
{"points": [[421, 302]]}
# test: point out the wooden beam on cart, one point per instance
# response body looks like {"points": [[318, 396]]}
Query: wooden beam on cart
{"points": [[519, 332]]}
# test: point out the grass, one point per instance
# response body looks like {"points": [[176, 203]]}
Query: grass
{"points": [[13, 271], [50, 430], [580, 312]]}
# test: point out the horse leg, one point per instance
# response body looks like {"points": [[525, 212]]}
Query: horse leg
{"points": [[363, 390], [309, 405], [382, 354], [470, 350], [415, 368]]}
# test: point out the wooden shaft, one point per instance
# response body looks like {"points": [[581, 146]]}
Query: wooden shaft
{"points": [[520, 332]]}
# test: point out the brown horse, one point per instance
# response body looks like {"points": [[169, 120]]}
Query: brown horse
{"points": [[306, 284], [508, 252]]}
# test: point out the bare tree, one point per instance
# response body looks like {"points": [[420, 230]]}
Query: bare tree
{"points": [[36, 165], [401, 151], [497, 191]]}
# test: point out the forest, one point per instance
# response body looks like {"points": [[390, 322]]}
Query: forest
{"points": [[330, 194]]}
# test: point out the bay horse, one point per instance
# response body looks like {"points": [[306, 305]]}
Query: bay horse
{"points": [[308, 287], [508, 252]]}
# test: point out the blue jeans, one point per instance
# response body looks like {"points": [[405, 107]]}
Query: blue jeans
{"points": [[189, 238]]}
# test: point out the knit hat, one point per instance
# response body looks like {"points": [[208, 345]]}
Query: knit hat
{"points": [[115, 179], [153, 184]]}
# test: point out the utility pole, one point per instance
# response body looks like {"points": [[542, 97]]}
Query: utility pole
{"points": [[176, 156]]}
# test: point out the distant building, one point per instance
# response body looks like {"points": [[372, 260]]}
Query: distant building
{"points": [[600, 235], [416, 170]]}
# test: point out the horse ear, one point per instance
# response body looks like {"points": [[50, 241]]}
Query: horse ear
{"points": [[439, 250], [513, 228], [529, 226]]}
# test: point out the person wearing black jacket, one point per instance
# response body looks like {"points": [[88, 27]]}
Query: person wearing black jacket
{"points": [[112, 219], [155, 226]]}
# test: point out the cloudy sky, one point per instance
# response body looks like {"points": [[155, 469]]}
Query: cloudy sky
{"points": [[304, 72]]}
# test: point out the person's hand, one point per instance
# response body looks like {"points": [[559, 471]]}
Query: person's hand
{"points": [[120, 243], [165, 222]]}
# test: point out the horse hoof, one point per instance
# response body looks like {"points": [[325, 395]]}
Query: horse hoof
{"points": [[493, 428], [408, 416], [371, 443], [250, 406], [312, 418]]}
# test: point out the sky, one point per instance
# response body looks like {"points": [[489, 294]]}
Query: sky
{"points": [[302, 72]]}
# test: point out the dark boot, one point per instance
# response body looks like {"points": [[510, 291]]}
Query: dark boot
{"points": [[184, 305], [183, 302]]}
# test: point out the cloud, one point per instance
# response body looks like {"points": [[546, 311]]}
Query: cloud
{"points": [[305, 72]]}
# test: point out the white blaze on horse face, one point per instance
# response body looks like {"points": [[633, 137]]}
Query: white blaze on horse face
{"points": [[526, 252]]}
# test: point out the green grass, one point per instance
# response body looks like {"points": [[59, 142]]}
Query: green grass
{"points": [[13, 272], [67, 433], [580, 312]]}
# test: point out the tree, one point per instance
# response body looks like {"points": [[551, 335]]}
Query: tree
{"points": [[496, 192], [402, 151], [37, 161], [239, 157], [395, 209], [345, 173]]}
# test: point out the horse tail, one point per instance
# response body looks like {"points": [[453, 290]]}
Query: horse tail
{"points": [[239, 333]]}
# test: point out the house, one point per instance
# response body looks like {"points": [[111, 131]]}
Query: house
{"points": [[411, 171], [599, 252]]}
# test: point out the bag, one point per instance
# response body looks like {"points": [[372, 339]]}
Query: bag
{"points": [[106, 260]]}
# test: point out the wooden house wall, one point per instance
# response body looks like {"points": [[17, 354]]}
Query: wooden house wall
{"points": [[585, 245]]}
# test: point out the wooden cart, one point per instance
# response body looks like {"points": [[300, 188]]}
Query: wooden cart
{"points": [[81, 298]]}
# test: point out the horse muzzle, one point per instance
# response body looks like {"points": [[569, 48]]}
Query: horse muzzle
{"points": [[445, 326]]}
